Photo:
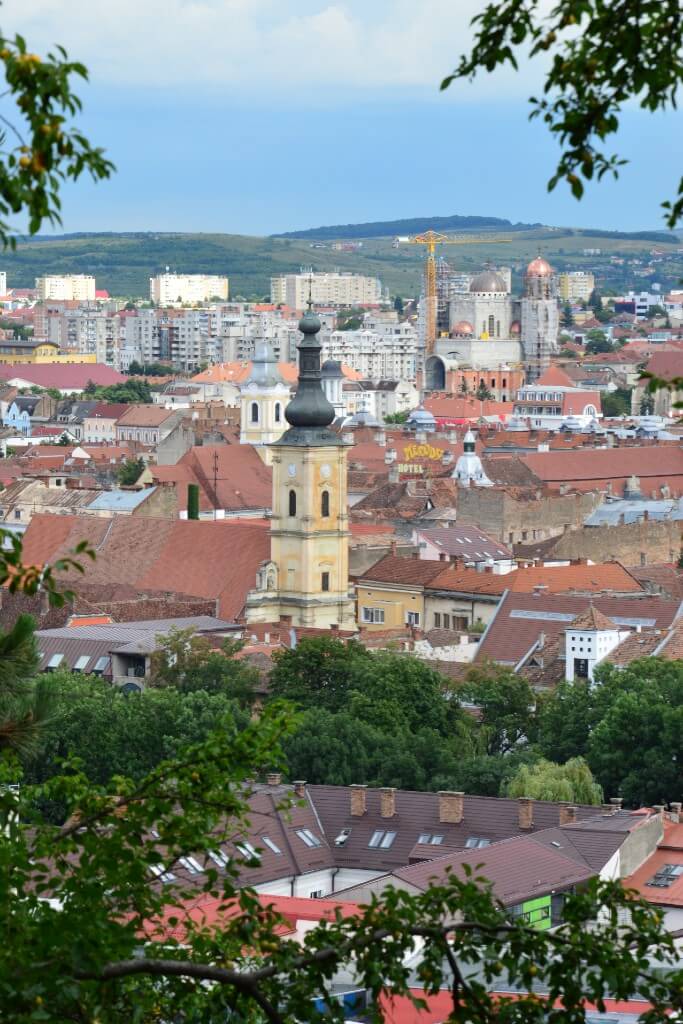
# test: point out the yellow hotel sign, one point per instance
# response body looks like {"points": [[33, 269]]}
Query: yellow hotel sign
{"points": [[422, 451]]}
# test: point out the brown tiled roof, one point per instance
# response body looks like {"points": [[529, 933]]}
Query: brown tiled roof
{"points": [[509, 471], [145, 416], [666, 364], [492, 818], [108, 410], [634, 646], [672, 645], [469, 542], [417, 572], [518, 869], [562, 578], [456, 578], [594, 466], [521, 618], [659, 579], [203, 559]]}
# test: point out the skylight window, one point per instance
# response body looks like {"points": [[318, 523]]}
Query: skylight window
{"points": [[666, 876], [55, 661], [427, 839], [191, 864], [308, 837], [246, 849], [381, 839], [475, 843], [270, 844], [101, 665], [81, 663], [160, 872], [219, 857]]}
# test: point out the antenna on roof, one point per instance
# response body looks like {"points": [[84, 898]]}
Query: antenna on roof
{"points": [[310, 292]]}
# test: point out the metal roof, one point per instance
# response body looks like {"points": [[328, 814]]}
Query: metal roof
{"points": [[131, 632], [610, 513], [121, 501]]}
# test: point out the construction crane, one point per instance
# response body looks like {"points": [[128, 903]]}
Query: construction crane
{"points": [[431, 239]]}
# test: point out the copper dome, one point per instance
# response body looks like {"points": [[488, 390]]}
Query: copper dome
{"points": [[487, 281], [539, 268], [515, 327], [462, 327]]}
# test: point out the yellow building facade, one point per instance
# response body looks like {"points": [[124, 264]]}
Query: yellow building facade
{"points": [[14, 351], [307, 575], [389, 606]]}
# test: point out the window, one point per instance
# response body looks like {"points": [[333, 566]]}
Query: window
{"points": [[666, 876], [254, 412], [246, 849], [307, 837], [375, 615], [325, 504], [381, 840], [426, 838], [219, 857], [437, 620], [191, 864], [446, 622], [17, 513], [81, 662], [161, 873], [413, 618], [267, 841], [292, 503], [475, 843], [325, 581], [316, 894], [54, 662], [278, 412], [101, 665]]}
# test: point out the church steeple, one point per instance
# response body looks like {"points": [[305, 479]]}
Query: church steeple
{"points": [[309, 412]]}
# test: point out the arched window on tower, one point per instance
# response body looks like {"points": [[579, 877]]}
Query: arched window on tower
{"points": [[325, 504], [292, 503], [254, 415], [492, 326], [278, 409]]}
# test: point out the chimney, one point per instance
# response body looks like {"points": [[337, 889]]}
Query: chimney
{"points": [[299, 788], [443, 557], [387, 802], [359, 796], [658, 809], [616, 802], [525, 812], [567, 814], [393, 475], [675, 810], [451, 806], [274, 778]]}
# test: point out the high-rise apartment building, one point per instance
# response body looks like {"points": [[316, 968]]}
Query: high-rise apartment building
{"points": [[3, 282], [576, 285], [326, 289], [192, 289], [66, 287]]}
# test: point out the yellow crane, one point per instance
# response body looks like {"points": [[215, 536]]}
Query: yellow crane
{"points": [[431, 239]]}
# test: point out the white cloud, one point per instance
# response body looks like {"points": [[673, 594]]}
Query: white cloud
{"points": [[265, 47]]}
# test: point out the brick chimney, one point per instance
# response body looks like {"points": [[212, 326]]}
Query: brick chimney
{"points": [[387, 802], [451, 806], [525, 812], [359, 798], [274, 778], [567, 814], [299, 788]]}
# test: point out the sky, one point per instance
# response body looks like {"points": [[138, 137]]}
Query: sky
{"points": [[259, 116]]}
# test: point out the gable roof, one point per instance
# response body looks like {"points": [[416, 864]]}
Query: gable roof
{"points": [[520, 619], [216, 560], [145, 416], [591, 619], [62, 375], [242, 479], [554, 377], [418, 572], [468, 542]]}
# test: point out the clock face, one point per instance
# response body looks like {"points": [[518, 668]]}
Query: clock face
{"points": [[325, 470], [291, 469]]}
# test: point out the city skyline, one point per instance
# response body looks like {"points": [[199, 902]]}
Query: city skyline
{"points": [[329, 116]]}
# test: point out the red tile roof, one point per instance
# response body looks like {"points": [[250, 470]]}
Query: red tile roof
{"points": [[243, 481], [416, 572], [556, 377], [558, 579], [62, 375], [669, 851], [145, 416], [216, 560], [584, 469]]}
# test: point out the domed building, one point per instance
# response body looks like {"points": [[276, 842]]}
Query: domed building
{"points": [[263, 398], [421, 419], [469, 471], [490, 329]]}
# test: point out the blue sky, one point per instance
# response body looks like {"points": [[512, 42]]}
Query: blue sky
{"points": [[257, 116]]}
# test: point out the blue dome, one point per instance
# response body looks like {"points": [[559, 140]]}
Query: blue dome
{"points": [[422, 418]]}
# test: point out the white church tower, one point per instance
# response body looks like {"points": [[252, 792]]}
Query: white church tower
{"points": [[468, 469], [263, 399]]}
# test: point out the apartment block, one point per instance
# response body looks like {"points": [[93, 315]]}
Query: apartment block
{"points": [[192, 289], [576, 285], [326, 289], [66, 287]]}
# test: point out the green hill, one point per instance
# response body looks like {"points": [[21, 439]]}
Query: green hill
{"points": [[123, 263]]}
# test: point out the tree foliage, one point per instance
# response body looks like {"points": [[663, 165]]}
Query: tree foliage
{"points": [[105, 945], [129, 472], [602, 55], [571, 781], [189, 662], [40, 148]]}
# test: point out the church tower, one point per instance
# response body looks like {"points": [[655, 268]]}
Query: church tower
{"points": [[263, 398], [540, 316], [307, 576]]}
